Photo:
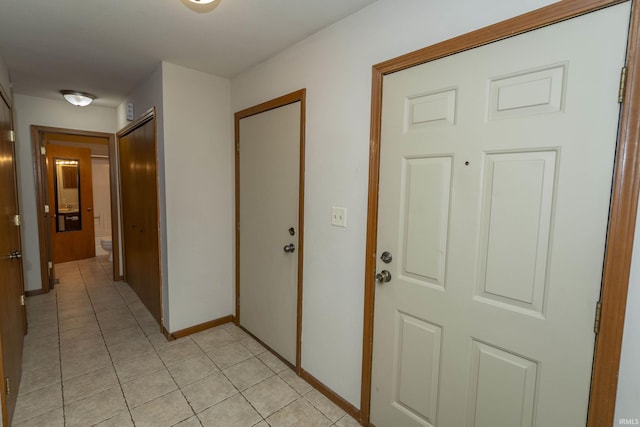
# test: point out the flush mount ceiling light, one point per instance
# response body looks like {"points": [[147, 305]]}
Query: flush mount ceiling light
{"points": [[80, 99], [201, 6]]}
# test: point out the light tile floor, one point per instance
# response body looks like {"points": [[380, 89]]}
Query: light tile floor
{"points": [[94, 356]]}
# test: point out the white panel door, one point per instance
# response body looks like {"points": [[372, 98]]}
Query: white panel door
{"points": [[269, 204], [495, 177]]}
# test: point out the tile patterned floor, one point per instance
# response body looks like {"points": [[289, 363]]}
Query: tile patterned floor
{"points": [[94, 356]]}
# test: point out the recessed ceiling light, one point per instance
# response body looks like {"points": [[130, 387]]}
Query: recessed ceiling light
{"points": [[80, 99], [202, 1]]}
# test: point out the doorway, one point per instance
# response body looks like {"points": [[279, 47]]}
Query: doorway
{"points": [[620, 229], [101, 149], [72, 221], [269, 219]]}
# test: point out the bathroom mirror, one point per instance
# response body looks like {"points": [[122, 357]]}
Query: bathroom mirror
{"points": [[67, 192]]}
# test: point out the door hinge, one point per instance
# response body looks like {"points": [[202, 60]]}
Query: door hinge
{"points": [[623, 84], [22, 299], [50, 265], [12, 136], [7, 385], [43, 150], [46, 209], [16, 220], [238, 226], [238, 147], [596, 323]]}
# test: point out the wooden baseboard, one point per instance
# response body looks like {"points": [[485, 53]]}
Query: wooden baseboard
{"points": [[198, 328], [166, 333], [34, 292], [331, 395]]}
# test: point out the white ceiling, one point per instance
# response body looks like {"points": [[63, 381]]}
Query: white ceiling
{"points": [[106, 47]]}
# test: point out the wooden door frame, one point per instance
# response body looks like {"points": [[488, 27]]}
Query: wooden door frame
{"points": [[148, 116], [623, 207], [38, 140], [297, 96]]}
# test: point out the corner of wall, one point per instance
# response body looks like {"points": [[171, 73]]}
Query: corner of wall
{"points": [[197, 151], [5, 80]]}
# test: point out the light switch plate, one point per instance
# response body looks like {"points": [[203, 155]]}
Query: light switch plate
{"points": [[339, 216]]}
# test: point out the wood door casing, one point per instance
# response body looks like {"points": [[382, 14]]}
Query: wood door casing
{"points": [[40, 137], [12, 313], [140, 217], [72, 245]]}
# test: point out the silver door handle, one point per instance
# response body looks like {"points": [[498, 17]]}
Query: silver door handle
{"points": [[383, 277], [290, 248], [15, 255]]}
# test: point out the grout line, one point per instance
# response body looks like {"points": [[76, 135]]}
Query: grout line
{"points": [[178, 386], [106, 347], [85, 270]]}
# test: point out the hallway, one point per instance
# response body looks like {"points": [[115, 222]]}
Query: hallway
{"points": [[94, 355]]}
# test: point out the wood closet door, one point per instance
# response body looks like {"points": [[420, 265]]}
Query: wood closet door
{"points": [[140, 220]]}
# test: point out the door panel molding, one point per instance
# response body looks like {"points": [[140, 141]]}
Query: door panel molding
{"points": [[39, 137], [623, 206], [297, 96]]}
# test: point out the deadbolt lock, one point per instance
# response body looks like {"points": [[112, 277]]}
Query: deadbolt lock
{"points": [[386, 257]]}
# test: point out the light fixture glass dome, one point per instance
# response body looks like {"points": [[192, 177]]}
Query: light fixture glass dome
{"points": [[202, 1], [80, 99]]}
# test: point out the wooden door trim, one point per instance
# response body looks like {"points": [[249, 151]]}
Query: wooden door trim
{"points": [[38, 139], [147, 116], [290, 98], [623, 206], [150, 114]]}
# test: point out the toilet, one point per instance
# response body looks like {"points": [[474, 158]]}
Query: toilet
{"points": [[107, 245]]}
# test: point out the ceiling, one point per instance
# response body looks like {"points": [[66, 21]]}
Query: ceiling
{"points": [[106, 47]]}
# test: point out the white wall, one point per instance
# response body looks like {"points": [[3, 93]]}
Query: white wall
{"points": [[29, 110], [200, 199], [197, 176], [335, 67]]}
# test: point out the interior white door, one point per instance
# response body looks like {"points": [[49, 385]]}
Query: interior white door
{"points": [[269, 205], [495, 177]]}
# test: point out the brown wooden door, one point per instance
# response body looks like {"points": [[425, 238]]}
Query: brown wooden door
{"points": [[140, 223], [12, 315], [71, 202]]}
